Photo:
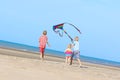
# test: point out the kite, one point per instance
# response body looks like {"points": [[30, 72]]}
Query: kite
{"points": [[58, 27]]}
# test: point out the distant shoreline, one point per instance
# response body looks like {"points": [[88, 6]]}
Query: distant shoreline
{"points": [[35, 50]]}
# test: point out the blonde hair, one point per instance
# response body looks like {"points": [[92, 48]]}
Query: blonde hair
{"points": [[45, 32], [69, 46]]}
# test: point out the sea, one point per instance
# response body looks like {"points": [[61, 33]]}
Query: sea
{"points": [[27, 48]]}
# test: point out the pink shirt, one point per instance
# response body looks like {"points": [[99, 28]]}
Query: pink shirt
{"points": [[43, 40], [68, 51]]}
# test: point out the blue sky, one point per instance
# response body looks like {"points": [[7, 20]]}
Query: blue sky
{"points": [[23, 21]]}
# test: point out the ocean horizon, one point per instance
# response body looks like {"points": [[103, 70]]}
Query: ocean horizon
{"points": [[23, 47]]}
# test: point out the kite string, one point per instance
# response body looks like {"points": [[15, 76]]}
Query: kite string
{"points": [[68, 35]]}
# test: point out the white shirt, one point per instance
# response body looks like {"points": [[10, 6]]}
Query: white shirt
{"points": [[76, 46]]}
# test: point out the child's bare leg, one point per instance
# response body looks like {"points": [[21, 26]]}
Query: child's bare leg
{"points": [[42, 56], [66, 60], [69, 59], [79, 62]]}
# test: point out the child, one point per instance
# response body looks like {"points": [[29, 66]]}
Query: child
{"points": [[43, 40], [68, 53], [76, 51]]}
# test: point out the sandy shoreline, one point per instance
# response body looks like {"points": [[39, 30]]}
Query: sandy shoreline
{"points": [[17, 65]]}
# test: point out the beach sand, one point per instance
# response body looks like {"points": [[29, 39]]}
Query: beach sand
{"points": [[21, 65]]}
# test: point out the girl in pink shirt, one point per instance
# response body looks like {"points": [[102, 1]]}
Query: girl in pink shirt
{"points": [[43, 41], [68, 53]]}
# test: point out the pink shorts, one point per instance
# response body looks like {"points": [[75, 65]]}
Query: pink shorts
{"points": [[42, 50]]}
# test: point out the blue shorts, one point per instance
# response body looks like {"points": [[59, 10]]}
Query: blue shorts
{"points": [[76, 54]]}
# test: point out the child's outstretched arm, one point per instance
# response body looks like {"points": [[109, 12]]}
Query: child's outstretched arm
{"points": [[48, 44]]}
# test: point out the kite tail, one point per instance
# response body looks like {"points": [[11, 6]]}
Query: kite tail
{"points": [[68, 36], [61, 34], [58, 32], [73, 26]]}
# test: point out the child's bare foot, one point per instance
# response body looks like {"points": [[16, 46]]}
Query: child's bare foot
{"points": [[81, 66]]}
